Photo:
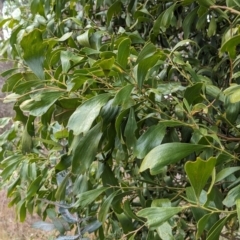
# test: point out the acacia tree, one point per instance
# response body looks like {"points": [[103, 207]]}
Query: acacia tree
{"points": [[127, 117]]}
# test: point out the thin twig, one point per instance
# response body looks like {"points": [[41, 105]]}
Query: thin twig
{"points": [[225, 8]]}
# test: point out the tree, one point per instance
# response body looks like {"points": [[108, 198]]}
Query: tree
{"points": [[127, 117]]}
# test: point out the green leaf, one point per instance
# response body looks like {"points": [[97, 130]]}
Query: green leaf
{"points": [[144, 66], [102, 215], [128, 210], [130, 129], [202, 224], [212, 27], [216, 229], [83, 39], [193, 93], [238, 208], [126, 223], [34, 52], [206, 3], [40, 102], [61, 190], [27, 142], [149, 140], [158, 215], [230, 46], [198, 173], [165, 231], [115, 8], [21, 209], [84, 199], [123, 52], [10, 84], [34, 187], [188, 22], [232, 196], [81, 120], [168, 16], [225, 173], [86, 149], [123, 97], [148, 50], [66, 58], [166, 154]]}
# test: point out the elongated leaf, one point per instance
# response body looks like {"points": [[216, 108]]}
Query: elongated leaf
{"points": [[88, 197], [86, 150], [21, 210], [75, 237], [92, 227], [34, 52], [128, 210], [188, 22], [232, 196], [166, 154], [41, 102], [144, 66], [61, 191], [35, 185], [123, 52], [115, 8], [198, 173], [67, 215], [149, 140], [123, 97], [165, 231], [45, 226], [82, 119], [202, 224], [230, 46], [148, 50], [102, 215], [226, 172], [216, 229], [158, 215], [238, 209], [167, 16], [130, 129]]}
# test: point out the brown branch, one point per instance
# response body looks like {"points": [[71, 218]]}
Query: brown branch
{"points": [[225, 8]]}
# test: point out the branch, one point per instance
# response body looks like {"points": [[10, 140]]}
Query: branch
{"points": [[225, 8]]}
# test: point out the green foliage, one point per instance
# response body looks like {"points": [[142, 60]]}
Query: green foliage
{"points": [[127, 117]]}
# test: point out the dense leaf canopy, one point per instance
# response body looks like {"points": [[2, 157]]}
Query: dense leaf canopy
{"points": [[127, 118]]}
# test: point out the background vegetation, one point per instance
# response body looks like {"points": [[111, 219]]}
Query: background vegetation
{"points": [[127, 117]]}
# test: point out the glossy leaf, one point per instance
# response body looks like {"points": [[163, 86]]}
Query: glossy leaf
{"points": [[81, 120], [198, 173], [34, 52], [123, 52], [143, 67], [123, 97], [230, 46], [202, 224], [102, 215], [88, 197], [149, 140], [130, 129], [232, 196], [41, 102], [226, 172], [86, 149], [216, 229], [166, 154], [158, 215]]}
